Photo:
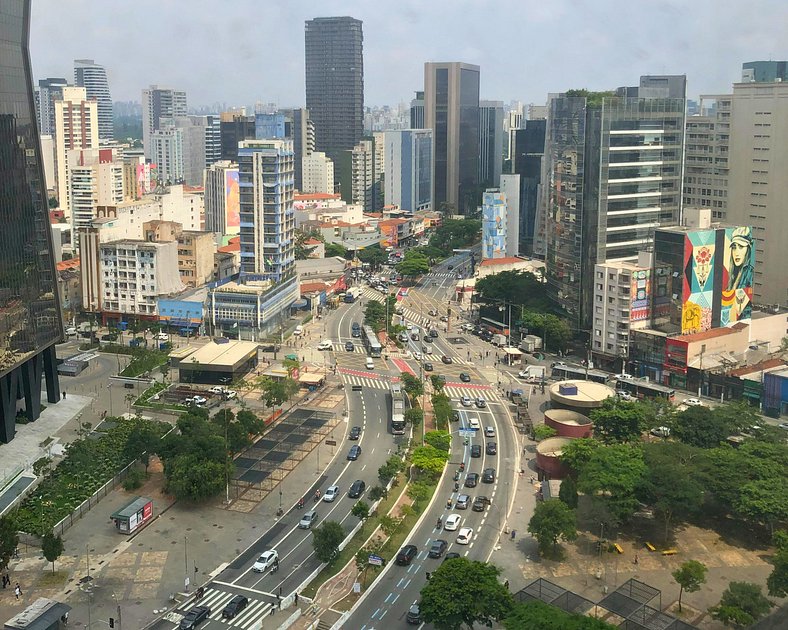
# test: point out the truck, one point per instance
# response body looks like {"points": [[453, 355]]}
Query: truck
{"points": [[498, 340], [530, 343], [352, 294]]}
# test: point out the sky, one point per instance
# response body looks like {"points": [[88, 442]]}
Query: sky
{"points": [[242, 51]]}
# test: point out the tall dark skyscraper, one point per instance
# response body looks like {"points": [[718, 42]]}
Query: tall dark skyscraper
{"points": [[30, 320], [335, 82]]}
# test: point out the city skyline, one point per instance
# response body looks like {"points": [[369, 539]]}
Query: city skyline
{"points": [[521, 62]]}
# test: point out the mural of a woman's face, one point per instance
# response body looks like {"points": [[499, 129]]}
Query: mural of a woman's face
{"points": [[739, 253]]}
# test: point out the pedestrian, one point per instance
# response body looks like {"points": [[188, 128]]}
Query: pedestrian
{"points": [[429, 575], [17, 590], [636, 559], [296, 599], [64, 395], [514, 533], [506, 584]]}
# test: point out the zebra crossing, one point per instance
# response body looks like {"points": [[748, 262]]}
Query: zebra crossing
{"points": [[445, 274], [455, 392], [364, 381], [216, 600]]}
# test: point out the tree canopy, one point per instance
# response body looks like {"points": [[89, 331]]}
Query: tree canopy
{"points": [[445, 600], [742, 604], [515, 287], [372, 255], [429, 459], [413, 264], [412, 385], [552, 520], [777, 582], [689, 576], [52, 547], [439, 439], [556, 330], [326, 539], [613, 474], [456, 234], [619, 421], [537, 615]]}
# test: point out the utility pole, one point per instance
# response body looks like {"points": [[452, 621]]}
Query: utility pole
{"points": [[186, 562]]}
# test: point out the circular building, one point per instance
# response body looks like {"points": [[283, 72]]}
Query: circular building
{"points": [[579, 396], [568, 423], [548, 457]]}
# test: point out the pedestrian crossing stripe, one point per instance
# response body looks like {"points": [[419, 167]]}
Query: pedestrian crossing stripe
{"points": [[216, 600], [449, 274], [459, 392], [376, 383]]}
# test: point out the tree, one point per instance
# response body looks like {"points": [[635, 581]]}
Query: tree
{"points": [[777, 582], [765, 501], [141, 443], [429, 459], [456, 233], [335, 249], [250, 422], [414, 416], [445, 602], [9, 540], [568, 492], [389, 470], [413, 386], [195, 479], [537, 615], [439, 439], [741, 604], [375, 315], [437, 382], [515, 287], [291, 365], [701, 427], [419, 491], [361, 510], [577, 453], [413, 265], [613, 473], [374, 256], [52, 547], [390, 524], [326, 539], [555, 330], [441, 410], [277, 392], [542, 432], [689, 576], [619, 421], [552, 519]]}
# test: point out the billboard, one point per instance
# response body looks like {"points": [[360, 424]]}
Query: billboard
{"points": [[232, 202], [738, 266], [640, 295], [493, 225]]}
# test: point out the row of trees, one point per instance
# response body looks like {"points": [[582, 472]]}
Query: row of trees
{"points": [[456, 234]]}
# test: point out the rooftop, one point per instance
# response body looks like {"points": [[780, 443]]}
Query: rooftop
{"points": [[227, 354], [507, 260], [72, 264], [712, 333], [315, 196], [763, 366]]}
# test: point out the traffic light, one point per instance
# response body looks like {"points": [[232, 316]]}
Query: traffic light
{"points": [[111, 622]]}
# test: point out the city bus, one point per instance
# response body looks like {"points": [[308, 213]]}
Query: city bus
{"points": [[578, 372], [371, 343], [645, 389], [397, 409]]}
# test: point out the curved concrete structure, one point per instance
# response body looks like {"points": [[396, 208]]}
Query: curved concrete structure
{"points": [[568, 423], [580, 396], [548, 457]]}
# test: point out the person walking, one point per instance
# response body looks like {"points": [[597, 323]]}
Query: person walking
{"points": [[514, 533], [17, 590]]}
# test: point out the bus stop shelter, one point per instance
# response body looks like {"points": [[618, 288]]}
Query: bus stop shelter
{"points": [[133, 515]]}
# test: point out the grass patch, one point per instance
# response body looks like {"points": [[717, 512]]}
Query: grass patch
{"points": [[144, 361], [145, 399], [52, 580]]}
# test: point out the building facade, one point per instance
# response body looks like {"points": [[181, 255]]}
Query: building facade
{"points": [[511, 185], [167, 152], [451, 110], [364, 180], [527, 161], [30, 312], [407, 178], [317, 173], [334, 57], [222, 198], [95, 179], [158, 103], [234, 127], [417, 111], [48, 91], [494, 211], [93, 77], [490, 142]]}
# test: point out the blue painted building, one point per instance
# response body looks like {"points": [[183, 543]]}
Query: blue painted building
{"points": [[775, 393]]}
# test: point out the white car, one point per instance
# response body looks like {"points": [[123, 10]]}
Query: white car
{"points": [[465, 401], [325, 345], [71, 331], [452, 522], [299, 330], [428, 349], [623, 394], [662, 432], [229, 394], [473, 422], [409, 326], [162, 336], [332, 492], [693, 402], [417, 355], [464, 536], [624, 377], [265, 561], [216, 389], [199, 400]]}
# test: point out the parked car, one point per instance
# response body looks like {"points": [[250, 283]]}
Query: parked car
{"points": [[452, 522], [355, 433], [465, 536], [308, 519], [693, 402], [234, 606], [488, 476], [299, 330], [266, 560], [194, 617], [406, 555], [662, 432], [354, 452], [623, 394], [471, 479], [465, 377], [356, 489], [331, 493], [438, 548], [462, 502]]}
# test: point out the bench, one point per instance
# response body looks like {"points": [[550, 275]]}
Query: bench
{"points": [[650, 547], [618, 548], [669, 552]]}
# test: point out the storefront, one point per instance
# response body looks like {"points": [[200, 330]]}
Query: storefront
{"points": [[133, 515]]}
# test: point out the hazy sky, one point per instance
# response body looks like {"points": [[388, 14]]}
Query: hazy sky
{"points": [[242, 51]]}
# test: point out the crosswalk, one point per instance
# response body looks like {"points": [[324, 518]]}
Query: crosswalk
{"points": [[456, 392], [364, 381], [216, 600], [445, 274]]}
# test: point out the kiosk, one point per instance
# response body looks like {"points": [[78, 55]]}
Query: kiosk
{"points": [[133, 515]]}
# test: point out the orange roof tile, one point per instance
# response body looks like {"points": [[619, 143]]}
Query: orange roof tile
{"points": [[68, 264], [757, 367], [315, 196], [508, 260], [312, 241]]}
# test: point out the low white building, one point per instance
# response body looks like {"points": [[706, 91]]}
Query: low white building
{"points": [[317, 173]]}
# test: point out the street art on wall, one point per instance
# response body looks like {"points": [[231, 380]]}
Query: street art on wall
{"points": [[493, 225], [699, 263], [232, 204], [640, 292], [739, 264]]}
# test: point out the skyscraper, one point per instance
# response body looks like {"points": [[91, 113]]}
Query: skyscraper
{"points": [[451, 110], [615, 177], [158, 103], [93, 78], [30, 315], [527, 161], [417, 111], [335, 82], [490, 142], [47, 92], [301, 129], [408, 169], [764, 71], [235, 126]]}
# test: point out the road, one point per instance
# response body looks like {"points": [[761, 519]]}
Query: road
{"points": [[368, 408]]}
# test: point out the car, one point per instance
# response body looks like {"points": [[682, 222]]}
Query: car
{"points": [[462, 502], [216, 389], [355, 333], [438, 548], [488, 475], [415, 337], [624, 377], [446, 360], [662, 432], [623, 394], [465, 377], [194, 617], [356, 489], [353, 453], [433, 312], [298, 331], [162, 336], [198, 400], [480, 403], [355, 433], [71, 331], [426, 349], [234, 606], [466, 401], [350, 346], [693, 402], [434, 333], [403, 337], [471, 479], [413, 617], [417, 355], [406, 555], [480, 503], [476, 450], [408, 326], [109, 337], [455, 416], [369, 363], [489, 432], [473, 422], [428, 367], [266, 560], [491, 449], [464, 536], [427, 339], [331, 493], [308, 519], [444, 318], [325, 345], [452, 522], [229, 394], [451, 556]]}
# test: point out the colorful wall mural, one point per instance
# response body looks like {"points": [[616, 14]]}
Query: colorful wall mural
{"points": [[738, 267], [232, 204], [493, 224]]}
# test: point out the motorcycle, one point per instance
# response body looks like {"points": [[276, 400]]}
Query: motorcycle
{"points": [[439, 524], [300, 503], [457, 476]]}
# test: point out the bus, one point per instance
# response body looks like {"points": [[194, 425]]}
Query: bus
{"points": [[645, 389], [578, 372], [397, 409], [371, 343]]}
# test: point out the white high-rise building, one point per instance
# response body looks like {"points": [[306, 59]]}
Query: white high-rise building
{"points": [[158, 103], [407, 179], [93, 77], [46, 93], [510, 187], [167, 154], [95, 179], [317, 173], [76, 127]]}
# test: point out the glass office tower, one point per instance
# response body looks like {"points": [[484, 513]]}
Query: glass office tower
{"points": [[30, 319]]}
